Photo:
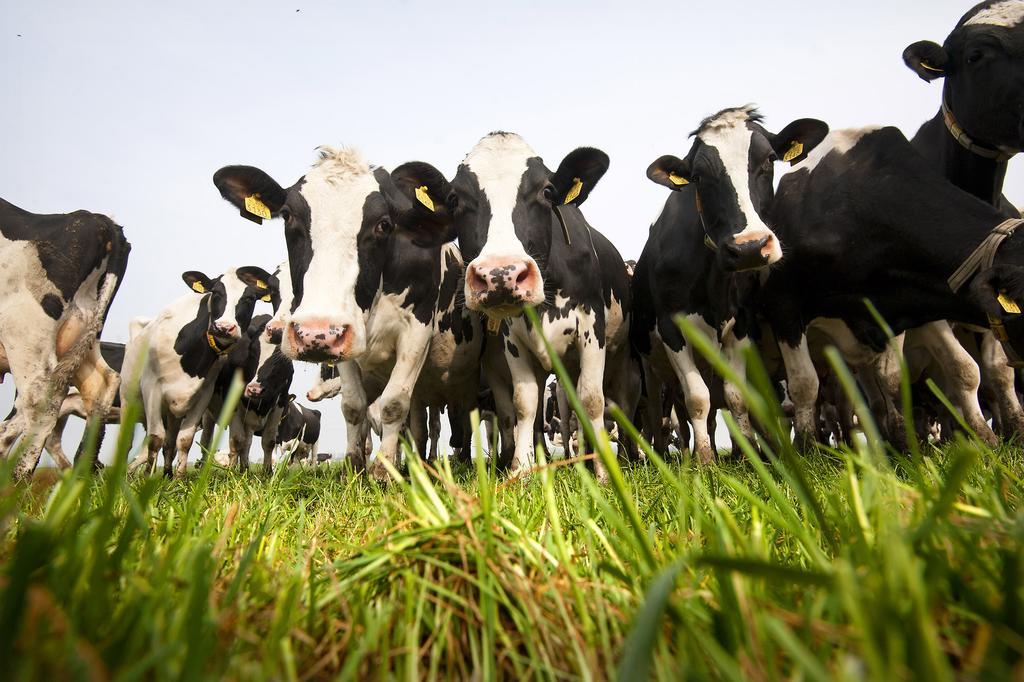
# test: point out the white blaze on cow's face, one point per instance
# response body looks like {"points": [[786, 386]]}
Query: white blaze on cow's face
{"points": [[738, 146], [497, 201], [1007, 14], [336, 208]]}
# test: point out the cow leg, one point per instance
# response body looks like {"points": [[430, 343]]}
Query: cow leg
{"points": [[269, 437], [998, 376], [353, 408], [802, 382], [654, 414], [37, 407], [733, 349], [170, 445], [590, 389], [54, 445], [564, 420], [239, 441], [962, 375], [525, 393], [418, 427], [97, 383], [434, 430], [697, 397], [394, 400]]}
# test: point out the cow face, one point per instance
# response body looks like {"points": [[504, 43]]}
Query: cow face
{"points": [[274, 371], [730, 168], [502, 205], [229, 300], [340, 220], [982, 62]]}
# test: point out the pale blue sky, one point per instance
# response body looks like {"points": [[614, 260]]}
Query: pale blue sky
{"points": [[127, 108]]}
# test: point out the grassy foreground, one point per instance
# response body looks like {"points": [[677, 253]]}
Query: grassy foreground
{"points": [[839, 564]]}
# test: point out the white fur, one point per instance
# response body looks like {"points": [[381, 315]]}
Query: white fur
{"points": [[838, 141], [335, 189], [1007, 14], [499, 161], [729, 135]]}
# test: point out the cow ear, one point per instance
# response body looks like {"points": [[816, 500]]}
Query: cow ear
{"points": [[927, 59], [197, 281], [291, 397], [259, 278], [578, 174], [998, 291], [670, 171], [429, 221], [795, 141], [256, 195]]}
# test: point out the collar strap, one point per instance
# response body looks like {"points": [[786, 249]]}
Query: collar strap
{"points": [[967, 142], [565, 227], [708, 241], [984, 255], [213, 344]]}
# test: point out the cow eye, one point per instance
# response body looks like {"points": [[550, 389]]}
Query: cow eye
{"points": [[383, 227], [549, 194], [975, 56], [451, 202]]}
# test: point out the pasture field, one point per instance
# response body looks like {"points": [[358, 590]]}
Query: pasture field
{"points": [[852, 564]]}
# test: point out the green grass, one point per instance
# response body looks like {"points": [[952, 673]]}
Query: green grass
{"points": [[837, 564]]}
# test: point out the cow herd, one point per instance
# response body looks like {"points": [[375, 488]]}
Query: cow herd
{"points": [[408, 288]]}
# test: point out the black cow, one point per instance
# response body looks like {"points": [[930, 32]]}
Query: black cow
{"points": [[979, 126], [864, 216], [701, 256], [299, 432], [61, 274]]}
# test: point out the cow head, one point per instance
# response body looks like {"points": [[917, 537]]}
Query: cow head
{"points": [[502, 204], [274, 371], [982, 62], [341, 219], [229, 300], [730, 168]]}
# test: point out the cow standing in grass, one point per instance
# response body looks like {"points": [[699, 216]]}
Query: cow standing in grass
{"points": [[172, 362]]}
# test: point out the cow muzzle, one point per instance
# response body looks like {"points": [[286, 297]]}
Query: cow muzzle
{"points": [[225, 332], [274, 332], [502, 286], [253, 390], [322, 340], [750, 250]]}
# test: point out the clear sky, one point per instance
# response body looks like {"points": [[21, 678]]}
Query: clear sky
{"points": [[127, 108]]}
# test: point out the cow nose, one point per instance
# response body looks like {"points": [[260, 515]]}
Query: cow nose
{"points": [[317, 340], [227, 329], [253, 390], [503, 282], [274, 331]]}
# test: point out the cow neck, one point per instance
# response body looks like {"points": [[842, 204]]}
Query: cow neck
{"points": [[982, 176], [708, 241], [198, 349], [968, 142]]}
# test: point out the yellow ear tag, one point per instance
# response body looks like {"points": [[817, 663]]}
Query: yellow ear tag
{"points": [[256, 207], [198, 287], [574, 191], [493, 324], [795, 150], [677, 180], [424, 198], [268, 298], [260, 284], [1009, 305], [931, 68]]}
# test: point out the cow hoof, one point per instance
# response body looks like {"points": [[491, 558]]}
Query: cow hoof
{"points": [[378, 473]]}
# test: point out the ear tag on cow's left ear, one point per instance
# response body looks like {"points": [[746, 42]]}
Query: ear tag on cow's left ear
{"points": [[677, 180], [423, 197], [795, 150], [198, 287], [260, 284], [574, 191], [268, 298], [1008, 304], [254, 205], [929, 67]]}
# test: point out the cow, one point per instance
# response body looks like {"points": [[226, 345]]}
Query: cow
{"points": [[865, 216], [365, 270], [979, 126], [704, 257], [298, 433], [61, 273], [526, 242], [172, 362]]}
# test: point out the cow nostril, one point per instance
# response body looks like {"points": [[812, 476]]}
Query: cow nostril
{"points": [[523, 276], [477, 281]]}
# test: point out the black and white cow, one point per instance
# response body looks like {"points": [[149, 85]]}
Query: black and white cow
{"points": [[172, 362], [365, 272], [978, 128], [298, 433], [61, 272], [527, 243], [702, 258], [864, 216]]}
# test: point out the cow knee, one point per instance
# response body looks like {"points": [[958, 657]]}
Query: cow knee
{"points": [[394, 409], [592, 401], [804, 389], [698, 400], [354, 413]]}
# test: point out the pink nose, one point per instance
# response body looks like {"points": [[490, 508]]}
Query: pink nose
{"points": [[498, 282], [318, 340], [229, 329], [253, 390]]}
